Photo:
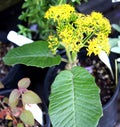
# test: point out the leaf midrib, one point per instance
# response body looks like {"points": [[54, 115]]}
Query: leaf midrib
{"points": [[31, 56], [73, 89]]}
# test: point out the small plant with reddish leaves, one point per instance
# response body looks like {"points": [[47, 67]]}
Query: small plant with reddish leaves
{"points": [[13, 110]]}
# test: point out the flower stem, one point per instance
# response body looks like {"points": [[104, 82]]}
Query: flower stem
{"points": [[69, 56], [87, 38], [74, 56]]}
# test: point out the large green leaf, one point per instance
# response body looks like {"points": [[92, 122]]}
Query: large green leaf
{"points": [[34, 54], [74, 99]]}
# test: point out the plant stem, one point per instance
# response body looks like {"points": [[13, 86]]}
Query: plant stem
{"points": [[87, 38], [74, 57], [69, 56]]}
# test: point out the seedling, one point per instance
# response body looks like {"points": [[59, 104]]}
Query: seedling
{"points": [[15, 108]]}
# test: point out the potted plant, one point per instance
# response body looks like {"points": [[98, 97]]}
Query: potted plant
{"points": [[21, 108], [74, 98]]}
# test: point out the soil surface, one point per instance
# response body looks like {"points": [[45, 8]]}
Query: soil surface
{"points": [[4, 69], [102, 76]]}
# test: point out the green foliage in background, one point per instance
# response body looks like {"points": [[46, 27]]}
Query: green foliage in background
{"points": [[33, 13]]}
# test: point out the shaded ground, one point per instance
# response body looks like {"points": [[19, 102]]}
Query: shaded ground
{"points": [[4, 69]]}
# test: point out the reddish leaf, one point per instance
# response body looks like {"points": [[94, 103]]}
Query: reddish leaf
{"points": [[20, 125], [24, 83], [13, 98], [3, 113], [29, 97], [27, 117]]}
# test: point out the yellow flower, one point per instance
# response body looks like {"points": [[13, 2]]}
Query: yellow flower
{"points": [[59, 12], [53, 43], [96, 45], [100, 23], [93, 47]]}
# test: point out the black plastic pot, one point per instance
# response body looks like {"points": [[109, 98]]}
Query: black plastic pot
{"points": [[110, 110], [5, 92], [110, 114], [106, 7], [99, 5]]}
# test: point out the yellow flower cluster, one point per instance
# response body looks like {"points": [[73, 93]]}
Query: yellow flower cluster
{"points": [[96, 45], [60, 12], [76, 30], [100, 23]]}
